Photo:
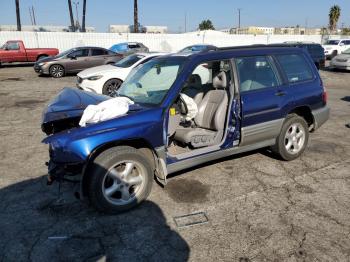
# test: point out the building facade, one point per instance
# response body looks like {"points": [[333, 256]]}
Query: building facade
{"points": [[150, 29]]}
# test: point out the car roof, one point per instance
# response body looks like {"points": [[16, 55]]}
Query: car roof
{"points": [[236, 50], [148, 54]]}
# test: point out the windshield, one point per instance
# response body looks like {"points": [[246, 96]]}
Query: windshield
{"points": [[332, 42], [150, 83], [64, 53], [129, 61], [119, 48]]}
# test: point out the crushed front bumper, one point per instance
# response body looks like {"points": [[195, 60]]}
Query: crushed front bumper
{"points": [[61, 171]]}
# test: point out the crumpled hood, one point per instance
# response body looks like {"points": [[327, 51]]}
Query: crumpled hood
{"points": [[70, 104], [98, 70]]}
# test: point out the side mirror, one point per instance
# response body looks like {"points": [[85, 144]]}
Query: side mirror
{"points": [[341, 44], [72, 57], [6, 48]]}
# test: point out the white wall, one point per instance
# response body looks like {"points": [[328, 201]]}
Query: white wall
{"points": [[156, 42]]}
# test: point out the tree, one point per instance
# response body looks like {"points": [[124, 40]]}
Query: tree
{"points": [[334, 15], [206, 25], [136, 20], [18, 16], [83, 29]]}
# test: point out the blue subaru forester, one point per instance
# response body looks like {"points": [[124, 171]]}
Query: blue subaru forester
{"points": [[247, 98]]}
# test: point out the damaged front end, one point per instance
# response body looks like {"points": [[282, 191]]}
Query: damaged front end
{"points": [[59, 118], [66, 109]]}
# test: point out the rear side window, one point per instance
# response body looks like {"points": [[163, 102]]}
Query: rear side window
{"points": [[97, 52], [133, 46], [295, 67], [256, 72]]}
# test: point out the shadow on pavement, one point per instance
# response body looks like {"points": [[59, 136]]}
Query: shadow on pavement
{"points": [[34, 229], [10, 65]]}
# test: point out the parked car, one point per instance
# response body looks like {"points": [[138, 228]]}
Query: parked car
{"points": [[107, 79], [129, 48], [315, 50], [341, 61], [255, 97], [334, 47], [75, 60], [15, 51], [198, 48]]}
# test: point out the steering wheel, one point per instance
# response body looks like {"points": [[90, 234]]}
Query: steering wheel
{"points": [[183, 106]]}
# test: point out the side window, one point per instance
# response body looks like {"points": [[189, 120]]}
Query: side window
{"points": [[347, 42], [13, 46], [133, 46], [80, 53], [97, 52], [256, 72], [295, 67]]}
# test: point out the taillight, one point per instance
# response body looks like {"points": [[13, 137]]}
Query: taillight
{"points": [[324, 97]]}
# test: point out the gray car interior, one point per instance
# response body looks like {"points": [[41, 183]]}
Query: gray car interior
{"points": [[208, 126]]}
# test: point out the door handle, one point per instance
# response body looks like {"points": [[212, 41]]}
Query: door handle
{"points": [[280, 93]]}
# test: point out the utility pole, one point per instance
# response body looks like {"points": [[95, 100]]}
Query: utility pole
{"points": [[239, 17], [18, 15], [34, 20], [185, 22], [84, 12]]}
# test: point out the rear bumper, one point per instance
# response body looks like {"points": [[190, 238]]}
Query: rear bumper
{"points": [[320, 116]]}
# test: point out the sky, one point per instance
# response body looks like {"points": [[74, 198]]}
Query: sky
{"points": [[223, 13]]}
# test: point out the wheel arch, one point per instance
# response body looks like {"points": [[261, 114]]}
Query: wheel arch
{"points": [[41, 55], [306, 113], [138, 143]]}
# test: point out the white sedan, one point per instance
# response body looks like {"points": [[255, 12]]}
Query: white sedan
{"points": [[107, 79]]}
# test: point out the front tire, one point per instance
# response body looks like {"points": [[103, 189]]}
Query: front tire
{"points": [[293, 139], [56, 71], [120, 179], [334, 54], [111, 86]]}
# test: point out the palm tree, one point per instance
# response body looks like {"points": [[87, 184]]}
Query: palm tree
{"points": [[136, 22], [334, 15], [84, 12], [18, 15], [71, 16]]}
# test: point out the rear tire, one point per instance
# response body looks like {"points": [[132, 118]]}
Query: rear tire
{"points": [[111, 86], [120, 178], [293, 139], [56, 71]]}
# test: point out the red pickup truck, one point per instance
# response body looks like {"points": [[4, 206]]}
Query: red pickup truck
{"points": [[15, 51]]}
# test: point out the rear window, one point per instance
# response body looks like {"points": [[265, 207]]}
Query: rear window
{"points": [[295, 67]]}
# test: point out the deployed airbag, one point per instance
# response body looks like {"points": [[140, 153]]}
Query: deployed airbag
{"points": [[191, 106], [105, 110]]}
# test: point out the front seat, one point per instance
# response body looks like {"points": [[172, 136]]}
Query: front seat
{"points": [[210, 119], [193, 88]]}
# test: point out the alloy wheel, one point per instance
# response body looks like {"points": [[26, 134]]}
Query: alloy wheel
{"points": [[294, 138], [123, 182], [57, 71]]}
